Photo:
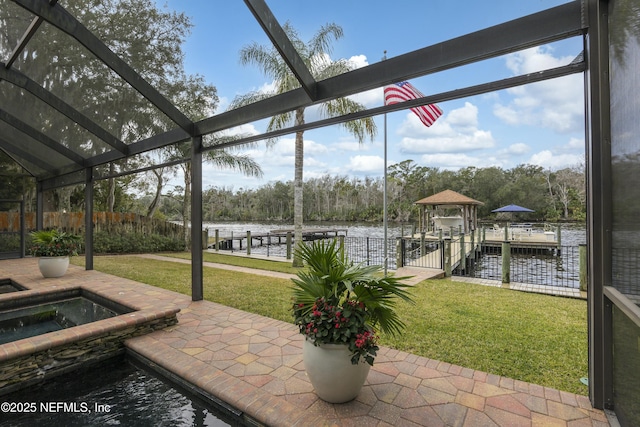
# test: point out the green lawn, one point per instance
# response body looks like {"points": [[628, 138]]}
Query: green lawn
{"points": [[534, 338]]}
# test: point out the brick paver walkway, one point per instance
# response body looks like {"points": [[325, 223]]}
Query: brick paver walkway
{"points": [[255, 364]]}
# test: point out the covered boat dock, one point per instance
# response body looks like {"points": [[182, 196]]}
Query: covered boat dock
{"points": [[430, 221]]}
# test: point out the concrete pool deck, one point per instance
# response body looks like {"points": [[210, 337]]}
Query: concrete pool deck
{"points": [[254, 364]]}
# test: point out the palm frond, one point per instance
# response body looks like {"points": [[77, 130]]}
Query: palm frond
{"points": [[360, 128], [280, 121], [332, 68], [265, 57], [321, 41], [239, 162], [332, 277], [249, 98]]}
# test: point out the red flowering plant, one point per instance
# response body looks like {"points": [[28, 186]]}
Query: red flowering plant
{"points": [[339, 302], [53, 243], [346, 324]]}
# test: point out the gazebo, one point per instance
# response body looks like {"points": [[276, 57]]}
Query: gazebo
{"points": [[468, 206]]}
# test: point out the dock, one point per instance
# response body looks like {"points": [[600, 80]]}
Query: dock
{"points": [[425, 249], [275, 237], [524, 240]]}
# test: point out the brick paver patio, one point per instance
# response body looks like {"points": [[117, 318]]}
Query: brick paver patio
{"points": [[255, 364]]}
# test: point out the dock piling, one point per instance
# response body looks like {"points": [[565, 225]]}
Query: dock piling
{"points": [[447, 257], [506, 262]]}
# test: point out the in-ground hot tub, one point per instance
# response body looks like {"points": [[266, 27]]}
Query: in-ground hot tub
{"points": [[52, 331], [8, 285], [55, 312]]}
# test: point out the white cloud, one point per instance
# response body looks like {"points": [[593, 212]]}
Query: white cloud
{"points": [[312, 147], [365, 164], [552, 161], [313, 162], [370, 98], [223, 104], [457, 161], [517, 149], [349, 146], [555, 104], [464, 118], [359, 61], [269, 87], [455, 132], [287, 146], [246, 129], [575, 144]]}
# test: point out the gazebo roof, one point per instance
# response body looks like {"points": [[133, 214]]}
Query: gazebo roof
{"points": [[448, 197]]}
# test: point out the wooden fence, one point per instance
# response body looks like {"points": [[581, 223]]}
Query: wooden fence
{"points": [[111, 222]]}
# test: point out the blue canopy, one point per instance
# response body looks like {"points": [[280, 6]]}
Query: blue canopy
{"points": [[512, 208]]}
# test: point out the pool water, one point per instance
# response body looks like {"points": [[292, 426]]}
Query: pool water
{"points": [[114, 393], [7, 286], [39, 319]]}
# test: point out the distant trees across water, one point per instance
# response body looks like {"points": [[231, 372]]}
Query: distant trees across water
{"points": [[554, 195]]}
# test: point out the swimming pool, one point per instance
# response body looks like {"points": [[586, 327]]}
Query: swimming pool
{"points": [[120, 391]]}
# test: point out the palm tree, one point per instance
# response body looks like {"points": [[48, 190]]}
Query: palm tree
{"points": [[315, 55], [198, 100], [220, 158]]}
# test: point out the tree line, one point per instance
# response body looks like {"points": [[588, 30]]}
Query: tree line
{"points": [[553, 195]]}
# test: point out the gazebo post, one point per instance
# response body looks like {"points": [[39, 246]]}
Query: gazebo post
{"points": [[425, 224]]}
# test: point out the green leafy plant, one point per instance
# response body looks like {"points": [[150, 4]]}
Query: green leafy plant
{"points": [[51, 243], [120, 243], [339, 302]]}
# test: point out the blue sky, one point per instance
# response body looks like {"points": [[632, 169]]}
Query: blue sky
{"points": [[540, 124]]}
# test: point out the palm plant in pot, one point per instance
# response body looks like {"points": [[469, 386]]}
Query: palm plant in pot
{"points": [[340, 307], [54, 249]]}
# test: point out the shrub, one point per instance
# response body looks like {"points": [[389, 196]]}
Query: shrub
{"points": [[107, 243]]}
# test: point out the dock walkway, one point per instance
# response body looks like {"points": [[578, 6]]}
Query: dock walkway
{"points": [[226, 242], [434, 258]]}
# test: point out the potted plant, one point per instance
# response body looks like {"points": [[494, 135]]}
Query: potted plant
{"points": [[54, 249], [340, 308]]}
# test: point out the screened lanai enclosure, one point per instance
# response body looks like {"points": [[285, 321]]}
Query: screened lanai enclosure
{"points": [[84, 98]]}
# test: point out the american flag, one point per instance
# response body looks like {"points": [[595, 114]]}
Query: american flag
{"points": [[404, 91]]}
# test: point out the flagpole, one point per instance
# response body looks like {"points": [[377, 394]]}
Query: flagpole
{"points": [[384, 203], [384, 194], [428, 114]]}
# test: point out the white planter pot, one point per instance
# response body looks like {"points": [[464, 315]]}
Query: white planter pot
{"points": [[333, 376], [53, 266]]}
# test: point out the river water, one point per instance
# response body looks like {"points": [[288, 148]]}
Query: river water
{"points": [[365, 243], [572, 234]]}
